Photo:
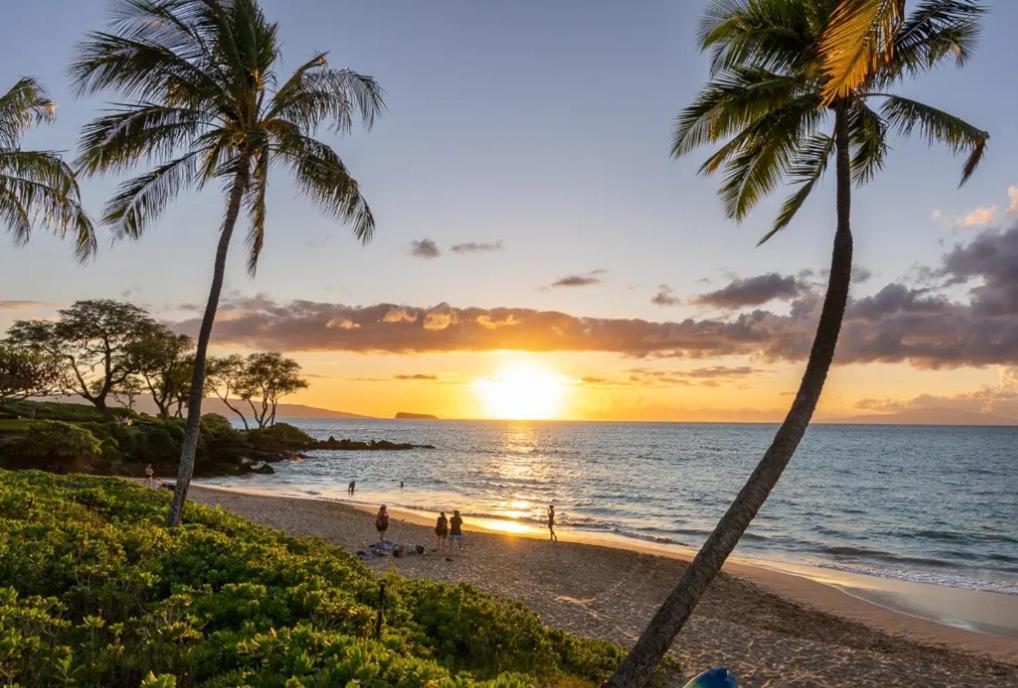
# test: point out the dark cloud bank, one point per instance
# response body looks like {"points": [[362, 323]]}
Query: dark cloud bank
{"points": [[898, 323]]}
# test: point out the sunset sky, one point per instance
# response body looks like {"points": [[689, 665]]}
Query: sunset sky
{"points": [[535, 238]]}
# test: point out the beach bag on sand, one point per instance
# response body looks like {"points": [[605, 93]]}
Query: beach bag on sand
{"points": [[713, 678]]}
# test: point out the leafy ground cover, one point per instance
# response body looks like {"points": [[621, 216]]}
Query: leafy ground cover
{"points": [[94, 591]]}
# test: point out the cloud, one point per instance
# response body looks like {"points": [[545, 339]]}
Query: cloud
{"points": [[424, 248], [752, 291], [710, 376], [991, 259], [1012, 194], [476, 247], [665, 296], [584, 280], [979, 216], [899, 322], [415, 376], [20, 305]]}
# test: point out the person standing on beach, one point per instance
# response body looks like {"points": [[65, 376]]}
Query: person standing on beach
{"points": [[441, 532], [456, 530], [351, 487], [551, 523], [382, 522], [150, 476]]}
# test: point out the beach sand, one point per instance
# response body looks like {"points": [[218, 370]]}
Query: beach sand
{"points": [[769, 627]]}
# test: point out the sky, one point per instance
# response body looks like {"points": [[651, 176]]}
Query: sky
{"points": [[536, 241]]}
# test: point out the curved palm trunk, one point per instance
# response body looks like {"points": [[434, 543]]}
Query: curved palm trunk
{"points": [[651, 647], [187, 452]]}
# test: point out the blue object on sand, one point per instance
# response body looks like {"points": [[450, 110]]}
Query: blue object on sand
{"points": [[713, 678]]}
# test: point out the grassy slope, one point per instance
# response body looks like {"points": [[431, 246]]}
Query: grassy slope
{"points": [[95, 592]]}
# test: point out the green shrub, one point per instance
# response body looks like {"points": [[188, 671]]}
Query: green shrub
{"points": [[94, 591], [280, 436], [57, 441]]}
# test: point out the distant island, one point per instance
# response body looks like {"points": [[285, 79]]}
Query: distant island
{"points": [[404, 415]]}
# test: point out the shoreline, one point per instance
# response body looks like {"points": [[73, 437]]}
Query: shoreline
{"points": [[897, 608]]}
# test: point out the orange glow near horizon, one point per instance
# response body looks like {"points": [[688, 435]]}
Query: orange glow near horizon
{"points": [[522, 391]]}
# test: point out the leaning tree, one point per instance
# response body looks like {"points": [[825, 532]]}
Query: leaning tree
{"points": [[795, 83]]}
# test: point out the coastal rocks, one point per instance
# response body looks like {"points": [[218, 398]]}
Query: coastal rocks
{"points": [[372, 445], [263, 468]]}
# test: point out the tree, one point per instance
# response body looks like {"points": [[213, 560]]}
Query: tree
{"points": [[37, 185], [205, 105], [268, 377], [769, 102], [93, 340], [180, 381], [25, 373], [159, 357], [127, 392], [226, 376]]}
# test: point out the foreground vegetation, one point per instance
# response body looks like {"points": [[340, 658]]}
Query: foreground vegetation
{"points": [[94, 591]]}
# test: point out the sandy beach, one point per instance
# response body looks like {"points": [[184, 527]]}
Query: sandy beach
{"points": [[771, 627]]}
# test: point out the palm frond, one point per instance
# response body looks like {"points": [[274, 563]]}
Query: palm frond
{"points": [[136, 132], [24, 105], [729, 103], [763, 159], [140, 200], [806, 169], [146, 70], [321, 175], [858, 38], [867, 135], [39, 187], [256, 209], [768, 34], [936, 126], [934, 30], [315, 93]]}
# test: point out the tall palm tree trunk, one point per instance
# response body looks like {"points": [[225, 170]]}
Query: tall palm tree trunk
{"points": [[651, 647], [187, 452]]}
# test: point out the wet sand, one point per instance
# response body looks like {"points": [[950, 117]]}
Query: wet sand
{"points": [[771, 627]]}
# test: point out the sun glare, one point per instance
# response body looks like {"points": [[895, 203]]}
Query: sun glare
{"points": [[522, 391]]}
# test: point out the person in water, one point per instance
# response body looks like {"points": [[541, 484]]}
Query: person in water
{"points": [[351, 487], [456, 530], [441, 532], [551, 523], [382, 522]]}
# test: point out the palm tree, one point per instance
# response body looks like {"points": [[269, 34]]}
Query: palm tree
{"points": [[205, 105], [768, 103], [37, 184]]}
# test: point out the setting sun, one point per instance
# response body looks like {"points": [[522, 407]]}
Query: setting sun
{"points": [[522, 391]]}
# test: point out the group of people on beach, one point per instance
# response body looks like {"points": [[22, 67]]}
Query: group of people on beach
{"points": [[448, 531]]}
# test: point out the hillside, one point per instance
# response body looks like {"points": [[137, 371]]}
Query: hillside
{"points": [[92, 586]]}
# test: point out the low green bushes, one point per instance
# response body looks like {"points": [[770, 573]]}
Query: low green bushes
{"points": [[94, 591]]}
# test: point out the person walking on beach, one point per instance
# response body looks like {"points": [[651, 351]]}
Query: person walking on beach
{"points": [[150, 476], [456, 530], [351, 487], [382, 522], [441, 532], [551, 523]]}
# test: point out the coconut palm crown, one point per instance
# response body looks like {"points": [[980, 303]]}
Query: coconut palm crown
{"points": [[37, 187], [203, 104], [767, 102]]}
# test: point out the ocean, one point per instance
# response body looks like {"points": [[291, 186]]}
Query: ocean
{"points": [[931, 504]]}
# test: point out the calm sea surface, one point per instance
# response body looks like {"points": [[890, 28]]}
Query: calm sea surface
{"points": [[929, 504]]}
